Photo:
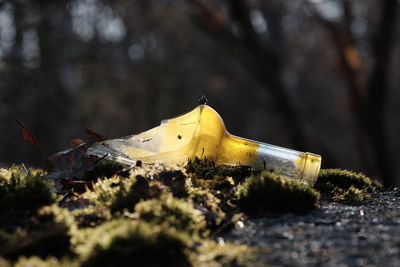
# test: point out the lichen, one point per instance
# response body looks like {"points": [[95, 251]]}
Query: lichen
{"points": [[268, 192]]}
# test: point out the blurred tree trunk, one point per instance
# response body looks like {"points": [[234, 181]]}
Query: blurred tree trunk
{"points": [[257, 56], [368, 98], [378, 87], [55, 44], [11, 91]]}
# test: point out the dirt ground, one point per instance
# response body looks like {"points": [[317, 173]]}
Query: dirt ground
{"points": [[334, 234]]}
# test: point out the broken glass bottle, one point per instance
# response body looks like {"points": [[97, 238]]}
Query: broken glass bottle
{"points": [[201, 133]]}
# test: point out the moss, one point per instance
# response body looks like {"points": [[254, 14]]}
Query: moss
{"points": [[130, 194], [173, 212], [48, 234], [122, 242], [4, 262], [201, 167], [104, 191], [210, 204], [104, 168], [271, 193], [35, 261], [175, 180], [207, 169], [91, 216], [352, 195], [118, 193], [211, 254], [346, 186], [22, 191], [213, 186]]}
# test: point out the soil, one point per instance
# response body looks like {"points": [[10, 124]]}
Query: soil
{"points": [[334, 234]]}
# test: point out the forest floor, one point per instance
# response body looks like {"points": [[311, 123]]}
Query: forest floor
{"points": [[334, 234], [195, 215]]}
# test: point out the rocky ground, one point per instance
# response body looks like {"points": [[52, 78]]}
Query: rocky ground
{"points": [[334, 234]]}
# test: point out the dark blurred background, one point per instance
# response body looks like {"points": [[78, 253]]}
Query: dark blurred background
{"points": [[314, 75]]}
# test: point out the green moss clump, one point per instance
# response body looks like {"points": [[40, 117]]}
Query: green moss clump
{"points": [[213, 254], [35, 261], [201, 167], [207, 169], [271, 193], [210, 204], [352, 195], [118, 193], [173, 212], [175, 180], [48, 234], [22, 191], [212, 186], [346, 186], [91, 216], [104, 191], [130, 194], [124, 242]]}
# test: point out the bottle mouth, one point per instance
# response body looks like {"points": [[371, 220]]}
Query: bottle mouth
{"points": [[311, 168]]}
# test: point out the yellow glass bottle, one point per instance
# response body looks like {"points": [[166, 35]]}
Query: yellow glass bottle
{"points": [[201, 133]]}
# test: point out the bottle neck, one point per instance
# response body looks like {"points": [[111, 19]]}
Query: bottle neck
{"points": [[285, 162]]}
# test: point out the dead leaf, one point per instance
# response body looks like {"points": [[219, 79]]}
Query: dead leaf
{"points": [[27, 135], [93, 136], [76, 142]]}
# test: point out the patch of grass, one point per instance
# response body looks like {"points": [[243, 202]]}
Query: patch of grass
{"points": [[346, 186], [173, 212], [125, 242], [22, 191], [268, 192], [48, 234]]}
